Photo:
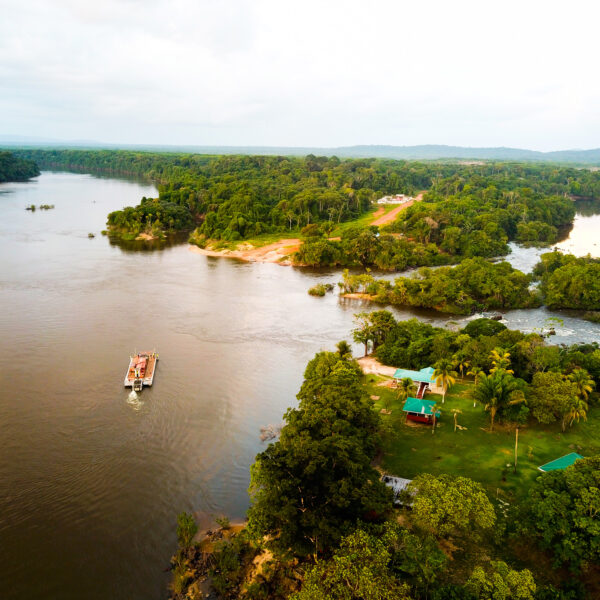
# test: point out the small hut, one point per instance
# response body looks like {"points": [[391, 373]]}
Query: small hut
{"points": [[420, 410]]}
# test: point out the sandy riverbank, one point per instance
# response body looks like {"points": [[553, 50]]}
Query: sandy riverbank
{"points": [[279, 252]]}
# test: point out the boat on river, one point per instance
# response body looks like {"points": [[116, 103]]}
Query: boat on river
{"points": [[142, 367]]}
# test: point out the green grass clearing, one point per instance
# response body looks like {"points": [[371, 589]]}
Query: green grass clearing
{"points": [[475, 452]]}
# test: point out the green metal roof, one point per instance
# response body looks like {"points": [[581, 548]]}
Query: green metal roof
{"points": [[561, 463], [424, 375], [421, 407]]}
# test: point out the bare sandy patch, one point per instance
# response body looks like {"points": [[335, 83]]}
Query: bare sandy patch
{"points": [[279, 252], [370, 365]]}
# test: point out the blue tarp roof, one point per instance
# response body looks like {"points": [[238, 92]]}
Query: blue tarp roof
{"points": [[561, 463], [425, 375], [421, 407]]}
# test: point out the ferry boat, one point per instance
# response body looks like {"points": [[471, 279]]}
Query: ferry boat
{"points": [[142, 367]]}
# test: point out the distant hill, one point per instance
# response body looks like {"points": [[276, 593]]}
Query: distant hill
{"points": [[422, 152]]}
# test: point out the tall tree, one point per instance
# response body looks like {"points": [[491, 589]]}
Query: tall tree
{"points": [[563, 511], [444, 375], [500, 360], [584, 383], [496, 392], [317, 480]]}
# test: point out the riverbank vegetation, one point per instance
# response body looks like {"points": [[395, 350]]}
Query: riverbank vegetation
{"points": [[236, 197], [474, 285], [13, 168], [567, 281], [479, 521], [469, 210]]}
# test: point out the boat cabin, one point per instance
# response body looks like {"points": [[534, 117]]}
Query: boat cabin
{"points": [[420, 410]]}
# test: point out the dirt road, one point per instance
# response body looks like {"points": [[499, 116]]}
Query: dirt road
{"points": [[389, 217]]}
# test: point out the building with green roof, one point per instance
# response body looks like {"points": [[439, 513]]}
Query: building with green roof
{"points": [[424, 379], [560, 463], [420, 410]]}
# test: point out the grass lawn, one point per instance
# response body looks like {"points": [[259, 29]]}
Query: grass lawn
{"points": [[364, 220], [475, 452]]}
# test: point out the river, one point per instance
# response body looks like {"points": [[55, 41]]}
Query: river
{"points": [[91, 479]]}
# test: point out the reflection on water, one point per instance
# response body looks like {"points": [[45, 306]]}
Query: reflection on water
{"points": [[175, 239], [92, 477], [581, 240]]}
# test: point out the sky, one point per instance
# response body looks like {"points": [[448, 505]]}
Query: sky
{"points": [[302, 73]]}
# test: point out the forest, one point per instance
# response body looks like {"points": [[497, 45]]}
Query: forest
{"points": [[567, 281], [322, 523], [474, 285], [13, 168], [469, 210]]}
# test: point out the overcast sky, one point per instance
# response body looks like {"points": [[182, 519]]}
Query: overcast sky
{"points": [[302, 73]]}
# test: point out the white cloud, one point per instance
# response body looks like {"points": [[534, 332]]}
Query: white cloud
{"points": [[301, 73]]}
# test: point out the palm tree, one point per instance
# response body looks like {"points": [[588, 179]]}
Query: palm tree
{"points": [[444, 375], [456, 412], [406, 388], [578, 410], [461, 364], [496, 391], [344, 349], [474, 372], [434, 410], [500, 360], [584, 383]]}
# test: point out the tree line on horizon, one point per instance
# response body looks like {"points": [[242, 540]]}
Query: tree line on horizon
{"points": [[470, 210]]}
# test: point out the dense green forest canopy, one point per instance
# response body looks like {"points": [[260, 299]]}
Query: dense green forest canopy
{"points": [[568, 281], [13, 168], [234, 197], [475, 284], [471, 210], [477, 214]]}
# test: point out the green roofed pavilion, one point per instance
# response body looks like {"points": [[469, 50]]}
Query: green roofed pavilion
{"points": [[424, 375], [561, 463], [420, 407]]}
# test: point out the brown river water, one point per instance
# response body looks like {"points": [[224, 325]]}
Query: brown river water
{"points": [[91, 476]]}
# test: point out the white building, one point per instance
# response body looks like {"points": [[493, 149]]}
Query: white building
{"points": [[395, 199]]}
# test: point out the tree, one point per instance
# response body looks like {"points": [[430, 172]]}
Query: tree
{"points": [[451, 506], [583, 382], [563, 511], [317, 480], [497, 391], [186, 529], [501, 360], [382, 322], [363, 333], [344, 349], [358, 570], [461, 363], [406, 388], [500, 582], [577, 410], [444, 375], [553, 397], [456, 412], [434, 414], [483, 327]]}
